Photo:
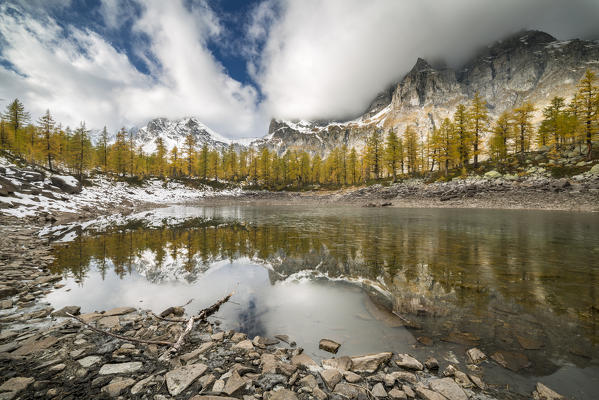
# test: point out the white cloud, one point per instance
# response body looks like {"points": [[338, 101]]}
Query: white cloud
{"points": [[80, 76], [328, 59]]}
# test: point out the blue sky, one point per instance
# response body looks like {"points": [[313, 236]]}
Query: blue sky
{"points": [[236, 64]]}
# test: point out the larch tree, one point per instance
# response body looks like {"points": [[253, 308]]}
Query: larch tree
{"points": [[501, 134], [81, 149], [46, 125], [522, 123], [119, 152], [587, 99], [3, 133], [103, 148], [412, 146], [392, 153], [190, 144], [462, 135], [478, 117], [443, 145], [161, 157], [554, 127]]}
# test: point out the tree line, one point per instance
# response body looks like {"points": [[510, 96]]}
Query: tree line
{"points": [[458, 143]]}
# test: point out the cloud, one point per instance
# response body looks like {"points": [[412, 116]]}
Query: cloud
{"points": [[329, 59], [308, 59], [79, 75]]}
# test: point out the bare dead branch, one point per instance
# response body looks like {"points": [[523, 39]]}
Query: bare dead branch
{"points": [[115, 335]]}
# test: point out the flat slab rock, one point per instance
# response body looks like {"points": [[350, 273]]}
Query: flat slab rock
{"points": [[370, 362], [180, 378], [121, 368], [448, 388]]}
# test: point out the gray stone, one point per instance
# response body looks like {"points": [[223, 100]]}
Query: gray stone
{"points": [[121, 368], [426, 394], [379, 390], [448, 388], [219, 386], [244, 345], [401, 376], [119, 311], [303, 360], [180, 378], [139, 386], [431, 363], [89, 361], [351, 377], [283, 394], [67, 184], [475, 355], [542, 392], [195, 353], [73, 310], [117, 386], [370, 362], [351, 391], [16, 385], [397, 394], [331, 377], [341, 363], [408, 362], [234, 383]]}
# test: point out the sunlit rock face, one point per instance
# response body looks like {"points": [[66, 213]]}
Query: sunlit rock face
{"points": [[530, 66]]}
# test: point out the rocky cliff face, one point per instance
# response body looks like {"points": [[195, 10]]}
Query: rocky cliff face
{"points": [[530, 66]]}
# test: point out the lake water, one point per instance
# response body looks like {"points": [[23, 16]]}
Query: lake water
{"points": [[430, 282]]}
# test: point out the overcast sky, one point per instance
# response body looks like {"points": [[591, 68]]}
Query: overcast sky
{"points": [[235, 63]]}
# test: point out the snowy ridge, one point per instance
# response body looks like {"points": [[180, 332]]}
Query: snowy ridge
{"points": [[173, 133]]}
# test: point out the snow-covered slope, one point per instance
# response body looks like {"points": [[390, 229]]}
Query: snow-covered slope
{"points": [[173, 133]]}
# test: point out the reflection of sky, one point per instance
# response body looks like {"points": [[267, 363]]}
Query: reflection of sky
{"points": [[305, 310]]}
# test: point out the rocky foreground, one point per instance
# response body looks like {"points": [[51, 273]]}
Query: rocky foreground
{"points": [[47, 354]]}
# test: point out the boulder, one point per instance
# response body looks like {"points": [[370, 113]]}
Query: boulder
{"points": [[6, 187], [408, 362], [244, 345], [234, 383], [341, 363], [66, 183], [329, 345], [303, 360], [331, 377], [370, 362], [378, 390]]}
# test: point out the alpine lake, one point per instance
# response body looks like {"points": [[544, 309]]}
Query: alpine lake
{"points": [[522, 286]]}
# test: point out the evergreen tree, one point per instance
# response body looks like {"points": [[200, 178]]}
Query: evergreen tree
{"points": [[46, 126], [555, 125], [17, 117], [587, 100]]}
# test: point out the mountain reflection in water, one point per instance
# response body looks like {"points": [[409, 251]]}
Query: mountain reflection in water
{"points": [[519, 282]]}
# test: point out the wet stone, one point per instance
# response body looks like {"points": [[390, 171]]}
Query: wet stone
{"points": [[408, 362], [475, 355], [510, 360], [329, 345], [370, 362]]}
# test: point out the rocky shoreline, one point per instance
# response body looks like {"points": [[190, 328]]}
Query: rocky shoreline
{"points": [[46, 354]]}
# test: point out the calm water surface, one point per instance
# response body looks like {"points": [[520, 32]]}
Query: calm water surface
{"points": [[434, 282]]}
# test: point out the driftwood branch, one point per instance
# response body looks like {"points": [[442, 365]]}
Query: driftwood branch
{"points": [[115, 335], [205, 313], [174, 347]]}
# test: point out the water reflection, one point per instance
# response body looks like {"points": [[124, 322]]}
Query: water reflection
{"points": [[515, 281]]}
